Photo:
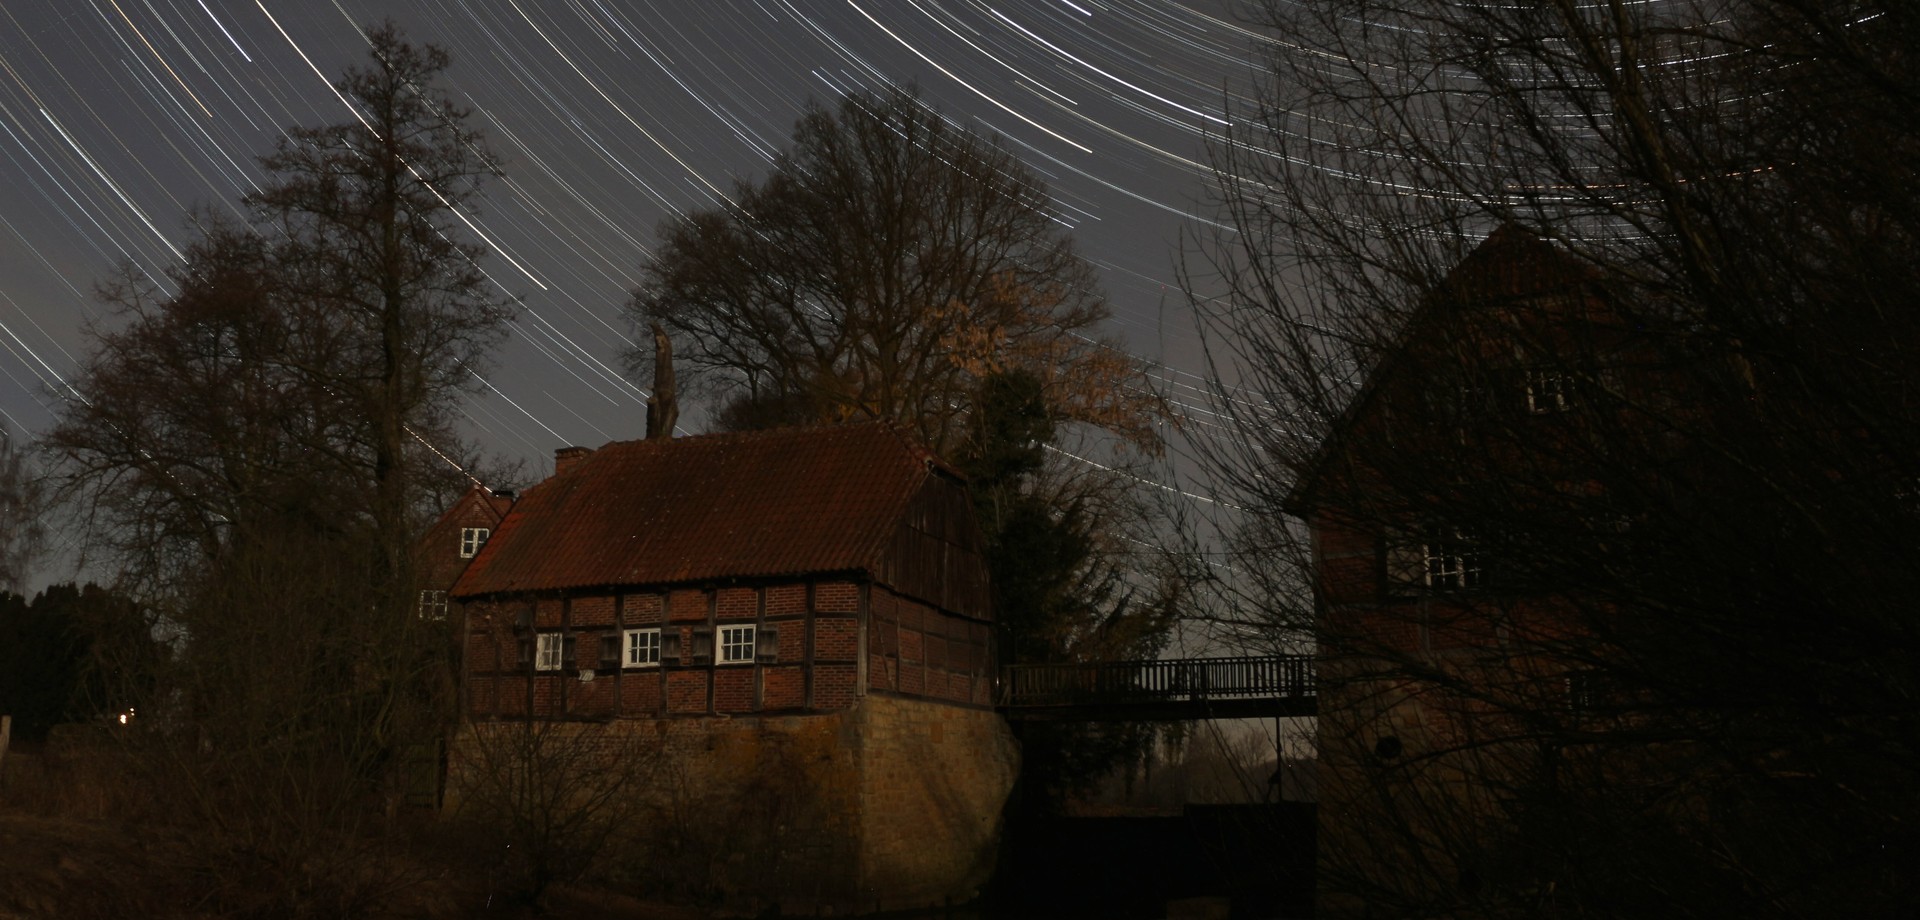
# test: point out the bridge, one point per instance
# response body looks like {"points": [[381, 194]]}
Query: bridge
{"points": [[1160, 690]]}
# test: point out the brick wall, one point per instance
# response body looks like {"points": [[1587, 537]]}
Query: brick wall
{"points": [[686, 692], [837, 597], [643, 609], [549, 613], [737, 604], [687, 605], [835, 686], [824, 657], [591, 611], [784, 686], [786, 600], [916, 650], [835, 638], [733, 689]]}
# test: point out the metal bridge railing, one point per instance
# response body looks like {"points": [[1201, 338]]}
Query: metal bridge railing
{"points": [[1270, 676]]}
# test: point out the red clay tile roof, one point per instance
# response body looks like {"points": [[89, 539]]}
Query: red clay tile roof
{"points": [[761, 504], [499, 504]]}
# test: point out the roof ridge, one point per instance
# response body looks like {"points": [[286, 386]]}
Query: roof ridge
{"points": [[728, 504], [754, 434]]}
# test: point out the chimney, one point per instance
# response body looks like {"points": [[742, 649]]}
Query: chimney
{"points": [[566, 458]]}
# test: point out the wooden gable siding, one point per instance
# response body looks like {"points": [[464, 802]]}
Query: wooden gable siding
{"points": [[937, 554]]}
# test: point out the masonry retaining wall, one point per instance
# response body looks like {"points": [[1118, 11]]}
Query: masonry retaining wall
{"points": [[891, 804]]}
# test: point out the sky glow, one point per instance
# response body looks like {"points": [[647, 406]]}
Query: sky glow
{"points": [[122, 118]]}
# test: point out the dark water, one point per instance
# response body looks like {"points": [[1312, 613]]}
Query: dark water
{"points": [[1212, 862]]}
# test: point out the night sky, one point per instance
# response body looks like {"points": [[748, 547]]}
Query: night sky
{"points": [[121, 116]]}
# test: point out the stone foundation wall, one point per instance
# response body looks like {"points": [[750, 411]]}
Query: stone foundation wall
{"points": [[893, 803], [934, 781]]}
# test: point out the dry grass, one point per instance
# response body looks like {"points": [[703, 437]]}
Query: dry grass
{"points": [[77, 845]]}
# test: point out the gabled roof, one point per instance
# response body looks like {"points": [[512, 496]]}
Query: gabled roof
{"points": [[761, 504], [1512, 264], [493, 507], [493, 504], [498, 505]]}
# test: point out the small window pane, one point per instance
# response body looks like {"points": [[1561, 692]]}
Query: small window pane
{"points": [[1439, 557], [471, 539], [643, 648], [433, 605], [549, 654], [736, 643], [1452, 561], [1548, 391]]}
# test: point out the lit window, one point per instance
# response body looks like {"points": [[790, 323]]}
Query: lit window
{"points": [[643, 648], [433, 605], [1451, 561], [550, 652], [736, 644], [1548, 391], [1440, 557], [471, 539]]}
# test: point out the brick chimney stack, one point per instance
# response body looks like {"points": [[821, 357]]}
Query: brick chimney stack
{"points": [[566, 458]]}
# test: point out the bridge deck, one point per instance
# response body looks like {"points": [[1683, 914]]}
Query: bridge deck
{"points": [[1160, 690]]}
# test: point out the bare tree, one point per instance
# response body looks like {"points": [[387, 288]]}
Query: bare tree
{"points": [[1605, 573], [555, 793], [259, 438], [889, 262], [22, 500], [367, 230]]}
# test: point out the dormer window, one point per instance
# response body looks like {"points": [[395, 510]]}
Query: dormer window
{"points": [[471, 539]]}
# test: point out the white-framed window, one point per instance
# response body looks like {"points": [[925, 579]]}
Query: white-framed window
{"points": [[736, 644], [433, 605], [642, 648], [549, 651], [1451, 561], [1548, 390], [471, 539], [1437, 557]]}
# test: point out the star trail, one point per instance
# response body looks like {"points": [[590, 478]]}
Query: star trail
{"points": [[122, 119]]}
